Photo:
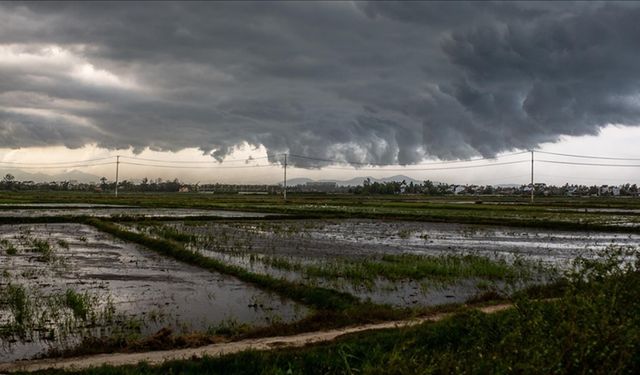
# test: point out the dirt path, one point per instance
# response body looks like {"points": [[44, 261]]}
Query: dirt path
{"points": [[215, 350]]}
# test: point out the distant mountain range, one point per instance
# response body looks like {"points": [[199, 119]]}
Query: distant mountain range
{"points": [[41, 177], [355, 181], [87, 177]]}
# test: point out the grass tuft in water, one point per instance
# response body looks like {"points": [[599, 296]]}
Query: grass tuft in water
{"points": [[43, 248], [79, 303], [8, 247]]}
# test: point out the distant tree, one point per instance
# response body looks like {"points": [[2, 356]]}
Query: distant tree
{"points": [[8, 182], [8, 179], [431, 189]]}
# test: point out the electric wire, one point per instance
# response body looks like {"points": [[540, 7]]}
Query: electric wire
{"points": [[587, 156], [59, 167], [573, 177], [194, 161], [587, 164], [432, 169], [196, 166], [57, 162], [386, 164]]}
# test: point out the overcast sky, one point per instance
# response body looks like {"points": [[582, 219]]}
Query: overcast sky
{"points": [[367, 82]]}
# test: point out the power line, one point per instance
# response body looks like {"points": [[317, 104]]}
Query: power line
{"points": [[432, 169], [588, 164], [195, 161], [574, 177], [57, 162], [59, 167], [386, 164], [184, 164], [195, 166], [501, 178], [586, 156]]}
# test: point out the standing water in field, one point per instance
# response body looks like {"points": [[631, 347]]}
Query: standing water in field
{"points": [[62, 282], [400, 263], [59, 209]]}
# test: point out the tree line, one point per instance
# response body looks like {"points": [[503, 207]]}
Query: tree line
{"points": [[427, 187]]}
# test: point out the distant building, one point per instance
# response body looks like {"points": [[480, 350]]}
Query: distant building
{"points": [[609, 190]]}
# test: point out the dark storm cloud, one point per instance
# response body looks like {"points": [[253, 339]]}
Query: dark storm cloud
{"points": [[381, 82]]}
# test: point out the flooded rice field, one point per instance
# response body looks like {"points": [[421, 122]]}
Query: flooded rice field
{"points": [[364, 238], [354, 255], [62, 282], [107, 211], [61, 205]]}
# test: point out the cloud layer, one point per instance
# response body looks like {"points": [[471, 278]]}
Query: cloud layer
{"points": [[379, 82]]}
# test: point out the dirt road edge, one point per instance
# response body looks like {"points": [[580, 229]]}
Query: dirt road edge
{"points": [[216, 350]]}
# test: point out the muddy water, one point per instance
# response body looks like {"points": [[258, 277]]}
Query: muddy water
{"points": [[552, 247], [403, 293], [364, 238], [142, 285], [109, 211], [61, 205], [316, 241]]}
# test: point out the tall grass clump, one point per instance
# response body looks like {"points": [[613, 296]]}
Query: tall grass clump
{"points": [[19, 304], [8, 247], [79, 303], [44, 249]]}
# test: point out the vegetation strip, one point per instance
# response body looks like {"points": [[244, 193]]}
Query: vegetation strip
{"points": [[317, 297], [396, 267], [216, 350]]}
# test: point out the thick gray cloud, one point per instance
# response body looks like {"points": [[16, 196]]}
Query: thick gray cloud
{"points": [[380, 82]]}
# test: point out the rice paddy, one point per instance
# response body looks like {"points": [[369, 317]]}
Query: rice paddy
{"points": [[79, 278]]}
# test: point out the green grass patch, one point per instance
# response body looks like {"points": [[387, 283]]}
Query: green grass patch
{"points": [[8, 247], [406, 267], [16, 299], [63, 244], [80, 304], [44, 249]]}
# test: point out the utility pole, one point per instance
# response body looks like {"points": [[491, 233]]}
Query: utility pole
{"points": [[532, 186], [285, 177], [117, 170]]}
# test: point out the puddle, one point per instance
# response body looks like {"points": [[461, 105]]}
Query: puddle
{"points": [[62, 205], [598, 210], [140, 285], [110, 211]]}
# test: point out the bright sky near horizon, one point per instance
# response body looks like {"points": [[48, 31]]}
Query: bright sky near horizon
{"points": [[348, 84], [613, 141]]}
